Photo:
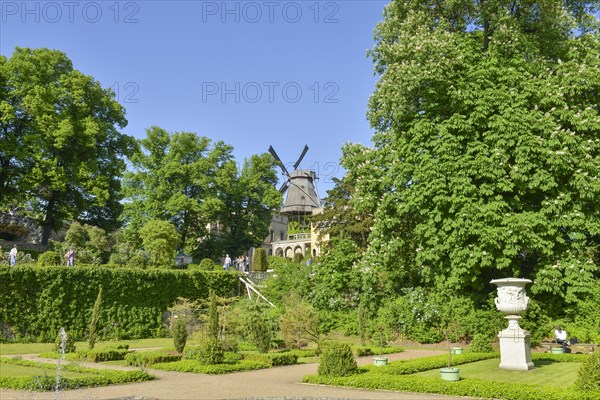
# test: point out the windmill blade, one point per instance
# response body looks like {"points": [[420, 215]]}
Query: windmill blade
{"points": [[301, 157], [276, 157], [284, 187]]}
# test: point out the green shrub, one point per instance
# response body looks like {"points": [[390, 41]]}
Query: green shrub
{"points": [[195, 366], [209, 265], [588, 377], [49, 258], [147, 358], [481, 344], [179, 334], [69, 343], [298, 257], [259, 260], [102, 355], [337, 360], [209, 352], [363, 351], [272, 359]]}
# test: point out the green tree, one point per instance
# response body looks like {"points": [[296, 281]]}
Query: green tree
{"points": [[249, 197], [90, 243], [259, 261], [93, 327], [298, 322], [173, 178], [336, 279], [339, 217], [61, 153], [486, 152], [161, 240]]}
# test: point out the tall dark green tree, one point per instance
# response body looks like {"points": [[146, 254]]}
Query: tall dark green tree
{"points": [[248, 196], [60, 149], [174, 179], [486, 156]]}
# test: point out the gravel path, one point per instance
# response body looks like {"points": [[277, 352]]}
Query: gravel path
{"points": [[274, 383]]}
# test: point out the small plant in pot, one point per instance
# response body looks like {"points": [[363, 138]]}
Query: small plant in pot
{"points": [[448, 310], [381, 335]]}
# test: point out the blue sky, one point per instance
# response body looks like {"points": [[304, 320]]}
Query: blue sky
{"points": [[250, 73]]}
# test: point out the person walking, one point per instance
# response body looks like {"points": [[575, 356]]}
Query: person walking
{"points": [[70, 256], [227, 262], [12, 256]]}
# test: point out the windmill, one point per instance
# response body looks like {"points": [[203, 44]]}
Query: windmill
{"points": [[299, 189]]}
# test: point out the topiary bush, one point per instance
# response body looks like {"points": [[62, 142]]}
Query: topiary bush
{"points": [[588, 377], [259, 260], [337, 360], [49, 258], [69, 343], [209, 352], [179, 334]]}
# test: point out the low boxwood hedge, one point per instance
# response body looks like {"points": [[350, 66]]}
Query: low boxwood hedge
{"points": [[372, 350], [272, 359], [196, 367], [94, 355], [97, 377], [148, 358], [464, 387], [396, 376]]}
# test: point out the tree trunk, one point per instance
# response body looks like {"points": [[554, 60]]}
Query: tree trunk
{"points": [[48, 224]]}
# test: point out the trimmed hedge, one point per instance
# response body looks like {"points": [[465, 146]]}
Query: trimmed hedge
{"points": [[272, 359], [98, 377], [196, 367], [36, 302], [396, 376], [464, 387], [94, 355], [148, 358], [369, 351]]}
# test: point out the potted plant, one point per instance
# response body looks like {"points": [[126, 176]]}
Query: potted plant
{"points": [[448, 323], [380, 360]]}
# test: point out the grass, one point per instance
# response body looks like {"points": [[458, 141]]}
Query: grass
{"points": [[21, 370], [7, 349], [545, 373]]}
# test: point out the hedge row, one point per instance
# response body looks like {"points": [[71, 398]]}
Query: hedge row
{"points": [[396, 376], [464, 387], [196, 367], [95, 355], [148, 358], [272, 359], [405, 367], [36, 302], [96, 377], [369, 351]]}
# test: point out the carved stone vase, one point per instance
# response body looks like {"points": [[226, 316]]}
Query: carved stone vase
{"points": [[515, 343]]}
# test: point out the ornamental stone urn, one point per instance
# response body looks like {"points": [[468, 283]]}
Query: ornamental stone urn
{"points": [[515, 343]]}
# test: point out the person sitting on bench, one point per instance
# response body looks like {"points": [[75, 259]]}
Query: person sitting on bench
{"points": [[561, 337]]}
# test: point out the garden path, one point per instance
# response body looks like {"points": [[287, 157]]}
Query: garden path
{"points": [[275, 383]]}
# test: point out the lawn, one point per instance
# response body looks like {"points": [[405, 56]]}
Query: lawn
{"points": [[545, 373], [22, 370], [37, 348]]}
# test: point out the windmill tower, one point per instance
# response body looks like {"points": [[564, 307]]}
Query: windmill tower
{"points": [[301, 197]]}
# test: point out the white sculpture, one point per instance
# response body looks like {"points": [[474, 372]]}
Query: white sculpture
{"points": [[515, 344]]}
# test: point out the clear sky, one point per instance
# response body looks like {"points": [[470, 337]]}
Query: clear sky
{"points": [[250, 73]]}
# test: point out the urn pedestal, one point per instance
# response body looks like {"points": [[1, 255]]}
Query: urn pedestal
{"points": [[515, 343]]}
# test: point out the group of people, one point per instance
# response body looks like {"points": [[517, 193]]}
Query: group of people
{"points": [[69, 256], [241, 263]]}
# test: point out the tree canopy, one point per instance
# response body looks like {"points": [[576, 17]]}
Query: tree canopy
{"points": [[195, 185], [486, 156], [60, 149]]}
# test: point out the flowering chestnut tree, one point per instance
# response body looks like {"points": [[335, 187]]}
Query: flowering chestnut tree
{"points": [[486, 156]]}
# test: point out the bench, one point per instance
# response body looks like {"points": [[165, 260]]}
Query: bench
{"points": [[575, 348]]}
